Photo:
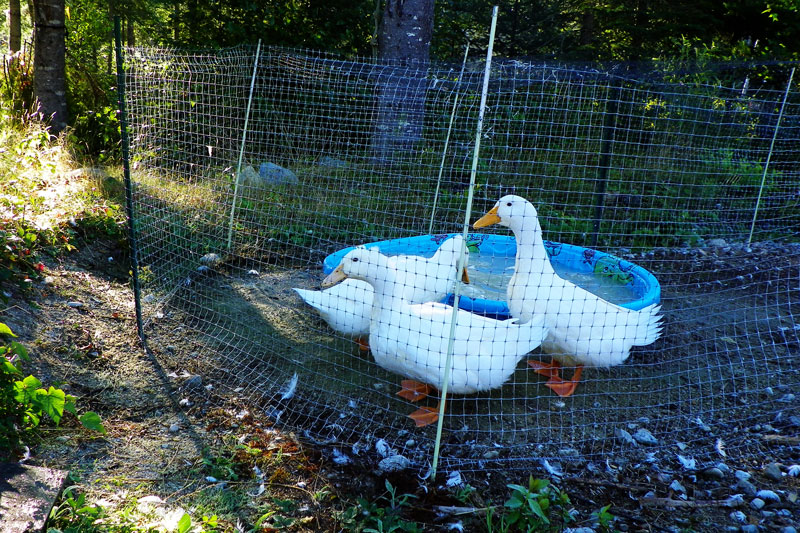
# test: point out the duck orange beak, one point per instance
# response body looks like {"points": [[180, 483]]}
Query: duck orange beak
{"points": [[488, 219], [333, 278]]}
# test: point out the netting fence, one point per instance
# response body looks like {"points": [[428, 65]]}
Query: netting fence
{"points": [[253, 172]]}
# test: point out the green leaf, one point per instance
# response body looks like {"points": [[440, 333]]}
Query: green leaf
{"points": [[537, 510], [51, 402], [185, 523], [25, 389], [5, 330], [20, 350], [8, 367], [92, 420]]}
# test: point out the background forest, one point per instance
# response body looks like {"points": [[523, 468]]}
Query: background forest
{"points": [[577, 30]]}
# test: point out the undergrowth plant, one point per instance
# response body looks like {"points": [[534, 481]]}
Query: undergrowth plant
{"points": [[24, 401]]}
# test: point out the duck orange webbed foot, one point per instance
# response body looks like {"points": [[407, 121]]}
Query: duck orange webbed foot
{"points": [[414, 391], [549, 370], [363, 343], [565, 388], [425, 416]]}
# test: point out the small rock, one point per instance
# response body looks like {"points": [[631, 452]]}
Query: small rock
{"points": [[734, 500], [193, 382], [395, 463], [174, 428], [773, 471], [578, 530], [788, 529], [718, 243], [75, 305], [252, 272], [747, 487], [643, 436], [722, 466], [185, 402], [677, 487], [49, 280], [757, 503], [741, 475], [712, 473], [738, 516], [491, 454], [273, 174], [210, 260], [787, 398], [624, 437], [749, 528]]}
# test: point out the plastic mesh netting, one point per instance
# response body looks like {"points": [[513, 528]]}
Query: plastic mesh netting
{"points": [[668, 186]]}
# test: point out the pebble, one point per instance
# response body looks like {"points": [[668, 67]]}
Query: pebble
{"points": [[749, 528], [773, 471], [747, 487], [624, 436], [741, 475], [722, 466], [49, 280], [193, 382], [174, 428], [210, 259], [644, 436], [738, 516], [75, 305], [712, 473], [491, 454], [185, 402], [578, 530], [757, 503], [395, 463], [788, 529]]}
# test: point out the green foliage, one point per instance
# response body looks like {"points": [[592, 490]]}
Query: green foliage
{"points": [[539, 506], [385, 515], [95, 135], [24, 400]]}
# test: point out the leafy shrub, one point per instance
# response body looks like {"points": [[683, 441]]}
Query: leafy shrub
{"points": [[24, 401]]}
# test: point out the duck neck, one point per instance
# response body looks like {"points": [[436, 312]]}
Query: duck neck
{"points": [[531, 253]]}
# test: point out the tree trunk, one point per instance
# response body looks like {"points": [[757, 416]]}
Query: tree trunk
{"points": [[49, 71], [587, 27], [131, 36], [14, 26], [404, 40]]}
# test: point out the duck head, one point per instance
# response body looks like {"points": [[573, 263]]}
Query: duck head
{"points": [[511, 211], [367, 264]]}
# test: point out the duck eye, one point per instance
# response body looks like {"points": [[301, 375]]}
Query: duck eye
{"points": [[355, 260], [508, 204]]}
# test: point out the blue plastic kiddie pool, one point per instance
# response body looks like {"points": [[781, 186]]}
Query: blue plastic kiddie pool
{"points": [[642, 286]]}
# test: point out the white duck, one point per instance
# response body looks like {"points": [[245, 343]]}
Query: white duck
{"points": [[584, 329], [346, 307], [412, 339]]}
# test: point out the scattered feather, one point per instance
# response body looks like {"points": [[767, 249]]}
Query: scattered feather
{"points": [[287, 391], [261, 487], [794, 470], [340, 458], [211, 479], [383, 448], [720, 447], [454, 479], [735, 500], [688, 463], [551, 469], [455, 526], [768, 495]]}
